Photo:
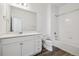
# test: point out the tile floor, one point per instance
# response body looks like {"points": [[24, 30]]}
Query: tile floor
{"points": [[56, 52]]}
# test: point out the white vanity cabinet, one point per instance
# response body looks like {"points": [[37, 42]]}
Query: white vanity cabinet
{"points": [[21, 46]]}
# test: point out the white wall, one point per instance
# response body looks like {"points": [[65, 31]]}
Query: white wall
{"points": [[2, 19], [42, 17]]}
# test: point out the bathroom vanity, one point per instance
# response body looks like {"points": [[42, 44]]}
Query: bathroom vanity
{"points": [[18, 32], [20, 44]]}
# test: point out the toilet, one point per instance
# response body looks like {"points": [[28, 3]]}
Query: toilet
{"points": [[47, 43]]}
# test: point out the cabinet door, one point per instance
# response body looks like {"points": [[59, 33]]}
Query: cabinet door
{"points": [[38, 44], [28, 47], [13, 49]]}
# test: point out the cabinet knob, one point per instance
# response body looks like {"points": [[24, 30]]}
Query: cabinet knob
{"points": [[21, 43]]}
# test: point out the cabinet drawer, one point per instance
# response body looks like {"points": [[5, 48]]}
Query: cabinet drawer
{"points": [[31, 37], [10, 40], [19, 39]]}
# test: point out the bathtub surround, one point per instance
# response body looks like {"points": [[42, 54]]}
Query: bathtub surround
{"points": [[65, 24]]}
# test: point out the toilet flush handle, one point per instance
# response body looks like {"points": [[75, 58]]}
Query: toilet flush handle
{"points": [[55, 33]]}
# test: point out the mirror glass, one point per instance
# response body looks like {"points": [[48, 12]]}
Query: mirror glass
{"points": [[16, 24], [23, 20]]}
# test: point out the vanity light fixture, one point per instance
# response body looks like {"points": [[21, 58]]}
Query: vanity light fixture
{"points": [[23, 4]]}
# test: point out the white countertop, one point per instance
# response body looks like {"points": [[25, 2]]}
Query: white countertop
{"points": [[11, 35]]}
